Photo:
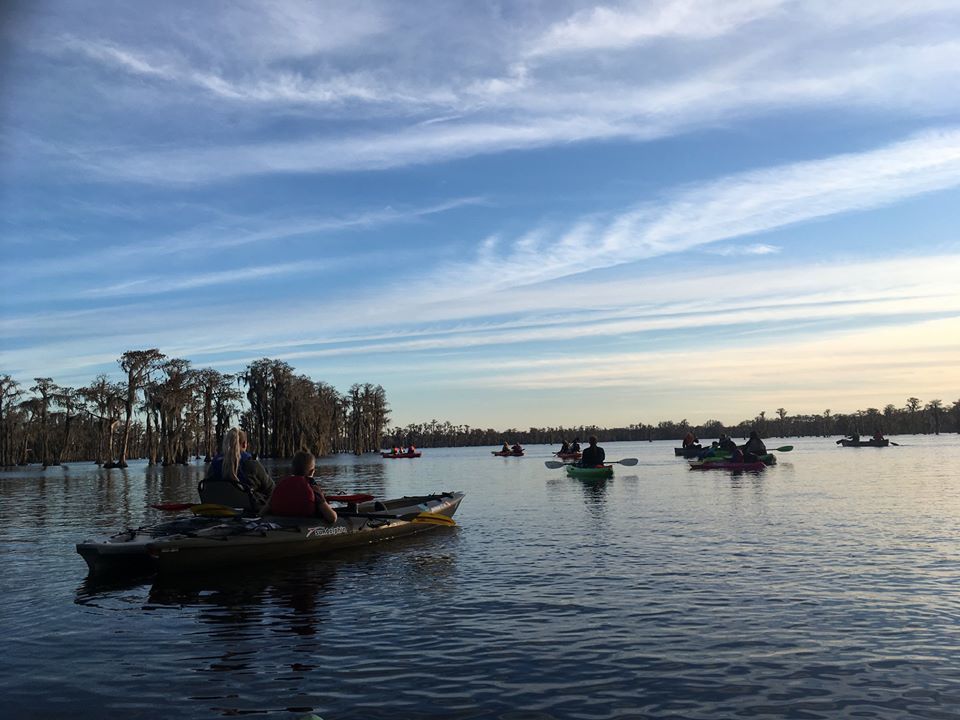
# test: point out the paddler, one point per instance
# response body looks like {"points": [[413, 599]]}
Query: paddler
{"points": [[594, 455]]}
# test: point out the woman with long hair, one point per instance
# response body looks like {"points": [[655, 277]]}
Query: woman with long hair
{"points": [[235, 478]]}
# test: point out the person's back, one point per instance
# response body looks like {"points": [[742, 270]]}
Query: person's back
{"points": [[689, 440], [234, 478], [576, 446], [593, 456], [293, 497], [564, 448], [728, 444], [297, 495], [755, 445]]}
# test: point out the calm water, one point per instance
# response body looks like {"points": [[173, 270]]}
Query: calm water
{"points": [[826, 587]]}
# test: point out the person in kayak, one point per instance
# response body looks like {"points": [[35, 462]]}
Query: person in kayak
{"points": [[506, 447], [709, 451], [234, 478], [690, 440], [594, 455], [299, 495], [575, 448], [564, 447], [754, 447], [877, 435], [517, 448], [754, 444], [727, 443]]}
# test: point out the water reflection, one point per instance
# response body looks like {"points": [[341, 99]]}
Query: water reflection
{"points": [[242, 597], [594, 492]]}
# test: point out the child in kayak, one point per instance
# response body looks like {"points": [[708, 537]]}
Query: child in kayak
{"points": [[298, 495]]}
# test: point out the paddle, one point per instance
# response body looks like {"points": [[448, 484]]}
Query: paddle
{"points": [[215, 510], [414, 517], [554, 464], [785, 448], [174, 507]]}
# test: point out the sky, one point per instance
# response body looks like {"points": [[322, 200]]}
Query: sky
{"points": [[508, 214]]}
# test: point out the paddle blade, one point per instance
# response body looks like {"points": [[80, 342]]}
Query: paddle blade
{"points": [[214, 510], [434, 519], [172, 506], [785, 448], [628, 461], [554, 464]]}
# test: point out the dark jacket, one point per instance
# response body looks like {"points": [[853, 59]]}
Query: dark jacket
{"points": [[592, 456]]}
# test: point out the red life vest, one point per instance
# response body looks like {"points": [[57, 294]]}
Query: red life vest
{"points": [[293, 497]]}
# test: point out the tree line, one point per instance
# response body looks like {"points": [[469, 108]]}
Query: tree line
{"points": [[168, 412], [915, 417]]}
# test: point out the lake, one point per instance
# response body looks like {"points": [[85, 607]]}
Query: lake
{"points": [[826, 586]]}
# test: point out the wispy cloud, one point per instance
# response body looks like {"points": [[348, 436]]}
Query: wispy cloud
{"points": [[606, 27], [497, 97], [161, 284], [754, 249], [232, 232], [737, 206]]}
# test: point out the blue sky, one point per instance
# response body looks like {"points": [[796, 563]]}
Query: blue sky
{"points": [[506, 213]]}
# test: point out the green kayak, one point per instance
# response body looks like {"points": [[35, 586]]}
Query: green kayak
{"points": [[590, 473]]}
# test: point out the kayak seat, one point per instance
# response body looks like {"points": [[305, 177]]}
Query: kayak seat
{"points": [[225, 492]]}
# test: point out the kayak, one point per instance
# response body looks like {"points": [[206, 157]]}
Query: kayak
{"points": [[512, 453], [727, 465], [569, 455], [721, 455], [590, 473], [688, 452], [400, 455], [846, 442], [194, 543]]}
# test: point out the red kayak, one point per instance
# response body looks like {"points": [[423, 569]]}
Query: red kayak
{"points": [[512, 453], [401, 455], [727, 466]]}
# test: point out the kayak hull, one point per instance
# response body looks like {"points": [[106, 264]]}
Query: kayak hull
{"points": [[725, 465], [590, 473], [393, 456], [688, 452], [722, 455], [192, 544], [569, 456], [501, 453], [864, 443]]}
